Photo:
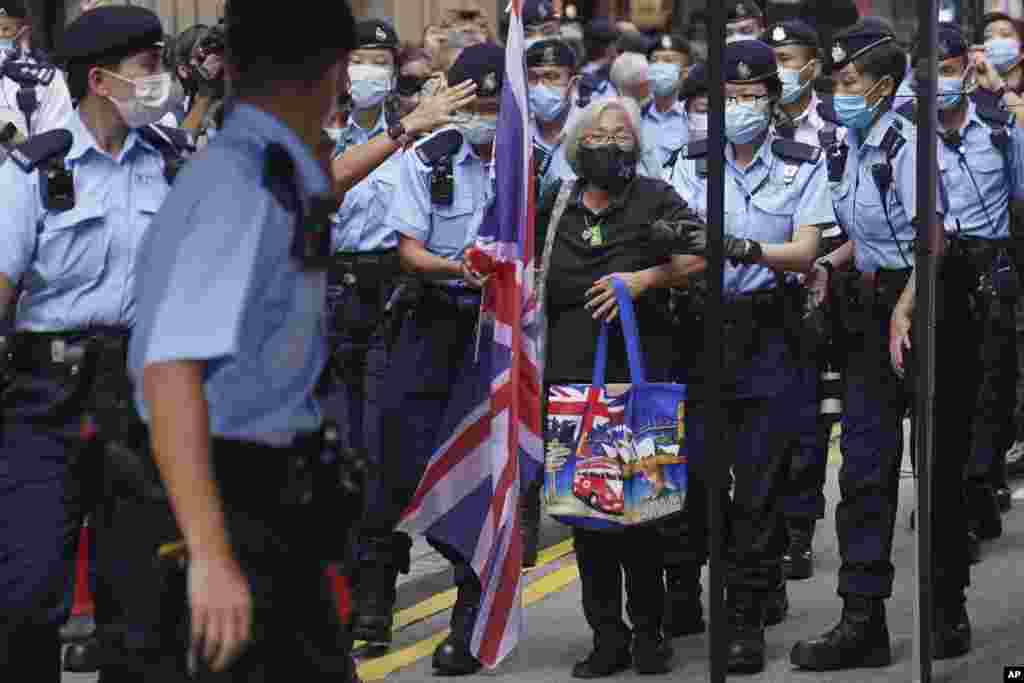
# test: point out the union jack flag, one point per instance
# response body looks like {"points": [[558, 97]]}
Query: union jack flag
{"points": [[469, 494]]}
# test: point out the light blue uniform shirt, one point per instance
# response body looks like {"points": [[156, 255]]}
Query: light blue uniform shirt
{"points": [[766, 202], [976, 185], [664, 133], [361, 225], [858, 203], [557, 167], [353, 134], [445, 231], [218, 284], [78, 270]]}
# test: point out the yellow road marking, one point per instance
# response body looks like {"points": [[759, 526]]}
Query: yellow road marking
{"points": [[440, 602], [378, 669]]}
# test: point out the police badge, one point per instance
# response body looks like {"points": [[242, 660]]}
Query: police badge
{"points": [[666, 42], [743, 71], [549, 55], [838, 53], [490, 85], [741, 10], [779, 34], [381, 35]]}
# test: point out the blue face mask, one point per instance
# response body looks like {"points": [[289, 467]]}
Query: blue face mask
{"points": [[547, 103], [950, 92], [853, 110], [370, 85], [664, 78], [1002, 53], [792, 88], [479, 131], [744, 123], [6, 43]]}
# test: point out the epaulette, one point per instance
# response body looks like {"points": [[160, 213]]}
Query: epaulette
{"points": [[791, 150], [674, 157], [696, 150], [172, 143], [893, 140], [39, 149], [646, 109], [908, 110], [279, 177], [443, 144], [997, 118]]}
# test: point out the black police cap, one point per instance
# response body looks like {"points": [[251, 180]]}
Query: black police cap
{"points": [[602, 30], [696, 82], [15, 9], [538, 12], [634, 41], [260, 32], [950, 40], [374, 34], [483, 64], [110, 32], [859, 41], [552, 52], [791, 32], [743, 9], [669, 42], [749, 61]]}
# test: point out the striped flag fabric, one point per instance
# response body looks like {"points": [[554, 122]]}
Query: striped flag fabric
{"points": [[469, 494]]}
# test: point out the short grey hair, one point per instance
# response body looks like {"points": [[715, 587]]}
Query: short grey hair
{"points": [[628, 69], [589, 117]]}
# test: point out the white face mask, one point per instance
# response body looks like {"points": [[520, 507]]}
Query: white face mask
{"points": [[370, 84], [154, 97]]}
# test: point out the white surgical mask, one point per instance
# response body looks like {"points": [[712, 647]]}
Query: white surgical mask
{"points": [[154, 97], [370, 84]]}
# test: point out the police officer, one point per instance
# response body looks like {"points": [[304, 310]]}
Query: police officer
{"points": [[664, 120], [1000, 69], [447, 186], [776, 199], [540, 21], [78, 202], [743, 21], [796, 52], [979, 161], [875, 203], [550, 73], [600, 38], [33, 95], [226, 354]]}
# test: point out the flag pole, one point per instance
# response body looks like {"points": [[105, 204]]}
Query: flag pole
{"points": [[930, 232], [718, 640]]}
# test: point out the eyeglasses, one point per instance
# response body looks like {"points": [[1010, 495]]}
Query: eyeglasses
{"points": [[747, 100], [624, 140]]}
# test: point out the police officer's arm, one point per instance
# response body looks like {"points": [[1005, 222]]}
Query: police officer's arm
{"points": [[18, 192], [814, 209], [433, 112], [197, 114], [1017, 162]]}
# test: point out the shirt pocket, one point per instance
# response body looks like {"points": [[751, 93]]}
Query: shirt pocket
{"points": [[149, 200], [451, 225], [73, 247]]}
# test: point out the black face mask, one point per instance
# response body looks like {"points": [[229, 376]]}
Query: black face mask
{"points": [[608, 167]]}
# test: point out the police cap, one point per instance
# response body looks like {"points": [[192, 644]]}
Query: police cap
{"points": [[859, 41], [696, 82], [110, 32], [15, 9], [602, 30], [376, 34], [634, 41], [538, 12], [950, 40], [670, 42], [749, 61], [791, 32], [483, 64], [552, 52], [743, 9]]}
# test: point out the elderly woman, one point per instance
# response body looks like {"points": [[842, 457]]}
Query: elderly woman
{"points": [[607, 230]]}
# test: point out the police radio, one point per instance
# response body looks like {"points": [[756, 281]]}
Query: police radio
{"points": [[442, 182], [311, 242]]}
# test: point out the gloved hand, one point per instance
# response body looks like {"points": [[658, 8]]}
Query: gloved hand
{"points": [[741, 251]]}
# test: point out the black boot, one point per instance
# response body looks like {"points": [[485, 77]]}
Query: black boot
{"points": [[951, 634], [83, 656], [609, 657], [861, 639], [453, 656], [374, 593], [652, 655], [529, 523], [776, 606], [684, 614], [983, 512], [973, 547], [798, 560], [746, 621], [1004, 498]]}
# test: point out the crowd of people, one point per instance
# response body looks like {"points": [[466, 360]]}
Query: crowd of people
{"points": [[201, 369]]}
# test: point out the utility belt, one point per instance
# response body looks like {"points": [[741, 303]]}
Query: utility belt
{"points": [[464, 300], [867, 299], [64, 351], [365, 270], [994, 268]]}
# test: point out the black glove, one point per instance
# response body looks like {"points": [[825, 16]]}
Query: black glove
{"points": [[741, 251]]}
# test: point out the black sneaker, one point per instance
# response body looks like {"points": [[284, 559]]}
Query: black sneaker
{"points": [[952, 632], [859, 640], [651, 656], [603, 662]]}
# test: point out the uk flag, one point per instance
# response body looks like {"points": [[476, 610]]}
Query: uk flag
{"points": [[469, 494]]}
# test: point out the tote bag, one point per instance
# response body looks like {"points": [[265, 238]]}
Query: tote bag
{"points": [[615, 456]]}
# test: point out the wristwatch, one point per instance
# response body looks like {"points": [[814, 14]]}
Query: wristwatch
{"points": [[399, 134]]}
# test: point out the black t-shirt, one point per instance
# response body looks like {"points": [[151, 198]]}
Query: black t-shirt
{"points": [[626, 246]]}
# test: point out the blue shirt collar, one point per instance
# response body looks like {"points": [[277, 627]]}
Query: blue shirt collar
{"points": [[762, 156], [83, 141], [249, 122], [874, 138]]}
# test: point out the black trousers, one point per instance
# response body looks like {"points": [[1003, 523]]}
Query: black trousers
{"points": [[296, 632], [992, 430], [603, 559]]}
